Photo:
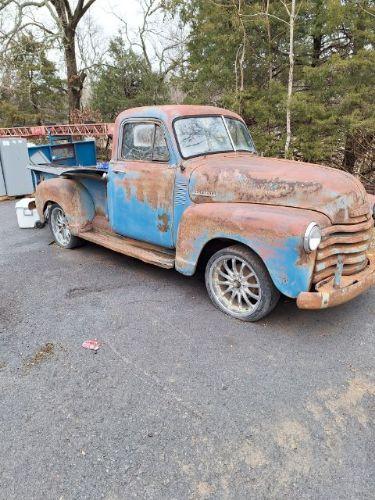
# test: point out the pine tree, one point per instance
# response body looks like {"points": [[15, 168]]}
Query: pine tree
{"points": [[332, 104], [31, 91], [125, 81]]}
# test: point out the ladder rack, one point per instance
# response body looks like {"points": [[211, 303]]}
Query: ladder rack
{"points": [[81, 129]]}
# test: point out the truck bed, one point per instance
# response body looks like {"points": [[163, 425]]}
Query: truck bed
{"points": [[58, 171], [92, 178]]}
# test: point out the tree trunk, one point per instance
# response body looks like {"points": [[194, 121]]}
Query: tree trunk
{"points": [[290, 79], [317, 26], [240, 60], [269, 40], [74, 79], [317, 49], [349, 154]]}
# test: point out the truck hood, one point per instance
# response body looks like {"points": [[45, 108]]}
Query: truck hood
{"points": [[245, 178]]}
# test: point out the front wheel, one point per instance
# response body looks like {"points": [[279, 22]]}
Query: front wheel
{"points": [[239, 284], [59, 226]]}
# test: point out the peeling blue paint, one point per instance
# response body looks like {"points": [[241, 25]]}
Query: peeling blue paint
{"points": [[181, 201], [98, 192], [134, 218], [158, 223], [281, 259]]}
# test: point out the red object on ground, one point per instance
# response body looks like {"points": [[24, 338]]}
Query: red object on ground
{"points": [[93, 344]]}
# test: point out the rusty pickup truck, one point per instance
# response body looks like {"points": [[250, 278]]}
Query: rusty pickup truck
{"points": [[186, 188]]}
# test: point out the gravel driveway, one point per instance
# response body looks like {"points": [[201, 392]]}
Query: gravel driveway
{"points": [[181, 402]]}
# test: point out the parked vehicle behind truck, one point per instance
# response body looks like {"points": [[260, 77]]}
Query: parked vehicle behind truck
{"points": [[185, 187]]}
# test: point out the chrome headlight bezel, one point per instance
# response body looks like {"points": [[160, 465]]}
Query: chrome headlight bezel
{"points": [[312, 238]]}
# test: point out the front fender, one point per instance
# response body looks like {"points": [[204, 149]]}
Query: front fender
{"points": [[274, 233], [72, 196]]}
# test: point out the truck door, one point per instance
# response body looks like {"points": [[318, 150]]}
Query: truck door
{"points": [[141, 184]]}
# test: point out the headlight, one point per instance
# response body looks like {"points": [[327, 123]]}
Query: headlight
{"points": [[313, 237]]}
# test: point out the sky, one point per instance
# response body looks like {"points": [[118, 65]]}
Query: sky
{"points": [[104, 18], [103, 14], [107, 15]]}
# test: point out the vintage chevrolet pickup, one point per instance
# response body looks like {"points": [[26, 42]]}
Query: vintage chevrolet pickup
{"points": [[185, 187]]}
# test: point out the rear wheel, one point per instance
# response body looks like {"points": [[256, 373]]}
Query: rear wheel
{"points": [[239, 284], [60, 228]]}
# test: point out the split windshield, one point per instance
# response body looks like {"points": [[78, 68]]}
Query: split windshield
{"points": [[200, 135]]}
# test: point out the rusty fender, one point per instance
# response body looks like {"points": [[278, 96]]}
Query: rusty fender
{"points": [[274, 233], [72, 196]]}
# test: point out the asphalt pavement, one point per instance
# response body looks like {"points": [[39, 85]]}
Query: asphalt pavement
{"points": [[180, 401]]}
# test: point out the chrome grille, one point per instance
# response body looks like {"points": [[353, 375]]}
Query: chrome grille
{"points": [[350, 242]]}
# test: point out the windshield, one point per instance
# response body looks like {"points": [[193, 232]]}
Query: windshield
{"points": [[201, 135]]}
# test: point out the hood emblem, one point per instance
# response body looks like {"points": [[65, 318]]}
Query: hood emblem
{"points": [[208, 194]]}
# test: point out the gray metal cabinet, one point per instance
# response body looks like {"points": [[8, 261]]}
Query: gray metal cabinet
{"points": [[15, 177], [2, 183]]}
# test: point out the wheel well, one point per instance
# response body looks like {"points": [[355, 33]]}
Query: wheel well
{"points": [[217, 244], [46, 206], [212, 247]]}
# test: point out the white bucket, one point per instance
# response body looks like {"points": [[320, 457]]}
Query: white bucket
{"points": [[27, 217]]}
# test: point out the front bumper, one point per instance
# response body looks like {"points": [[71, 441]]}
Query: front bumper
{"points": [[327, 295]]}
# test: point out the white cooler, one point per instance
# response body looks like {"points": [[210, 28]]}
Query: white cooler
{"points": [[27, 216]]}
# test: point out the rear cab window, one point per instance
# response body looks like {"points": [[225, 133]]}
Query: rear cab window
{"points": [[144, 141]]}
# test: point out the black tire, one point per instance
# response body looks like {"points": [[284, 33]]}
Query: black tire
{"points": [[70, 241], [255, 293]]}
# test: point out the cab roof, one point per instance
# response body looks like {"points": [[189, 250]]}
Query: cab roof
{"points": [[170, 112]]}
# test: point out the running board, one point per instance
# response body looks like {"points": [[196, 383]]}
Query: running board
{"points": [[137, 249]]}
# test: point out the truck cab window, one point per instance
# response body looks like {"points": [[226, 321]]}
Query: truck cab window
{"points": [[144, 141], [160, 152]]}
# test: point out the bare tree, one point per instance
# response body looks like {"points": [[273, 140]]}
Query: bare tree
{"points": [[65, 17], [269, 40], [158, 38], [239, 64], [292, 15], [240, 59], [91, 44], [67, 20]]}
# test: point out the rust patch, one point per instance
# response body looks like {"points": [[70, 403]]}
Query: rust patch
{"points": [[265, 223], [71, 196], [44, 353], [163, 224], [350, 287], [146, 252], [147, 183], [244, 178]]}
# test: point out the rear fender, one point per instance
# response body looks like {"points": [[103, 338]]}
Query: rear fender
{"points": [[274, 233], [72, 196]]}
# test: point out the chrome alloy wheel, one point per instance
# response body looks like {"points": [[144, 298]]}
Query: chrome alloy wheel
{"points": [[60, 227], [235, 285]]}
